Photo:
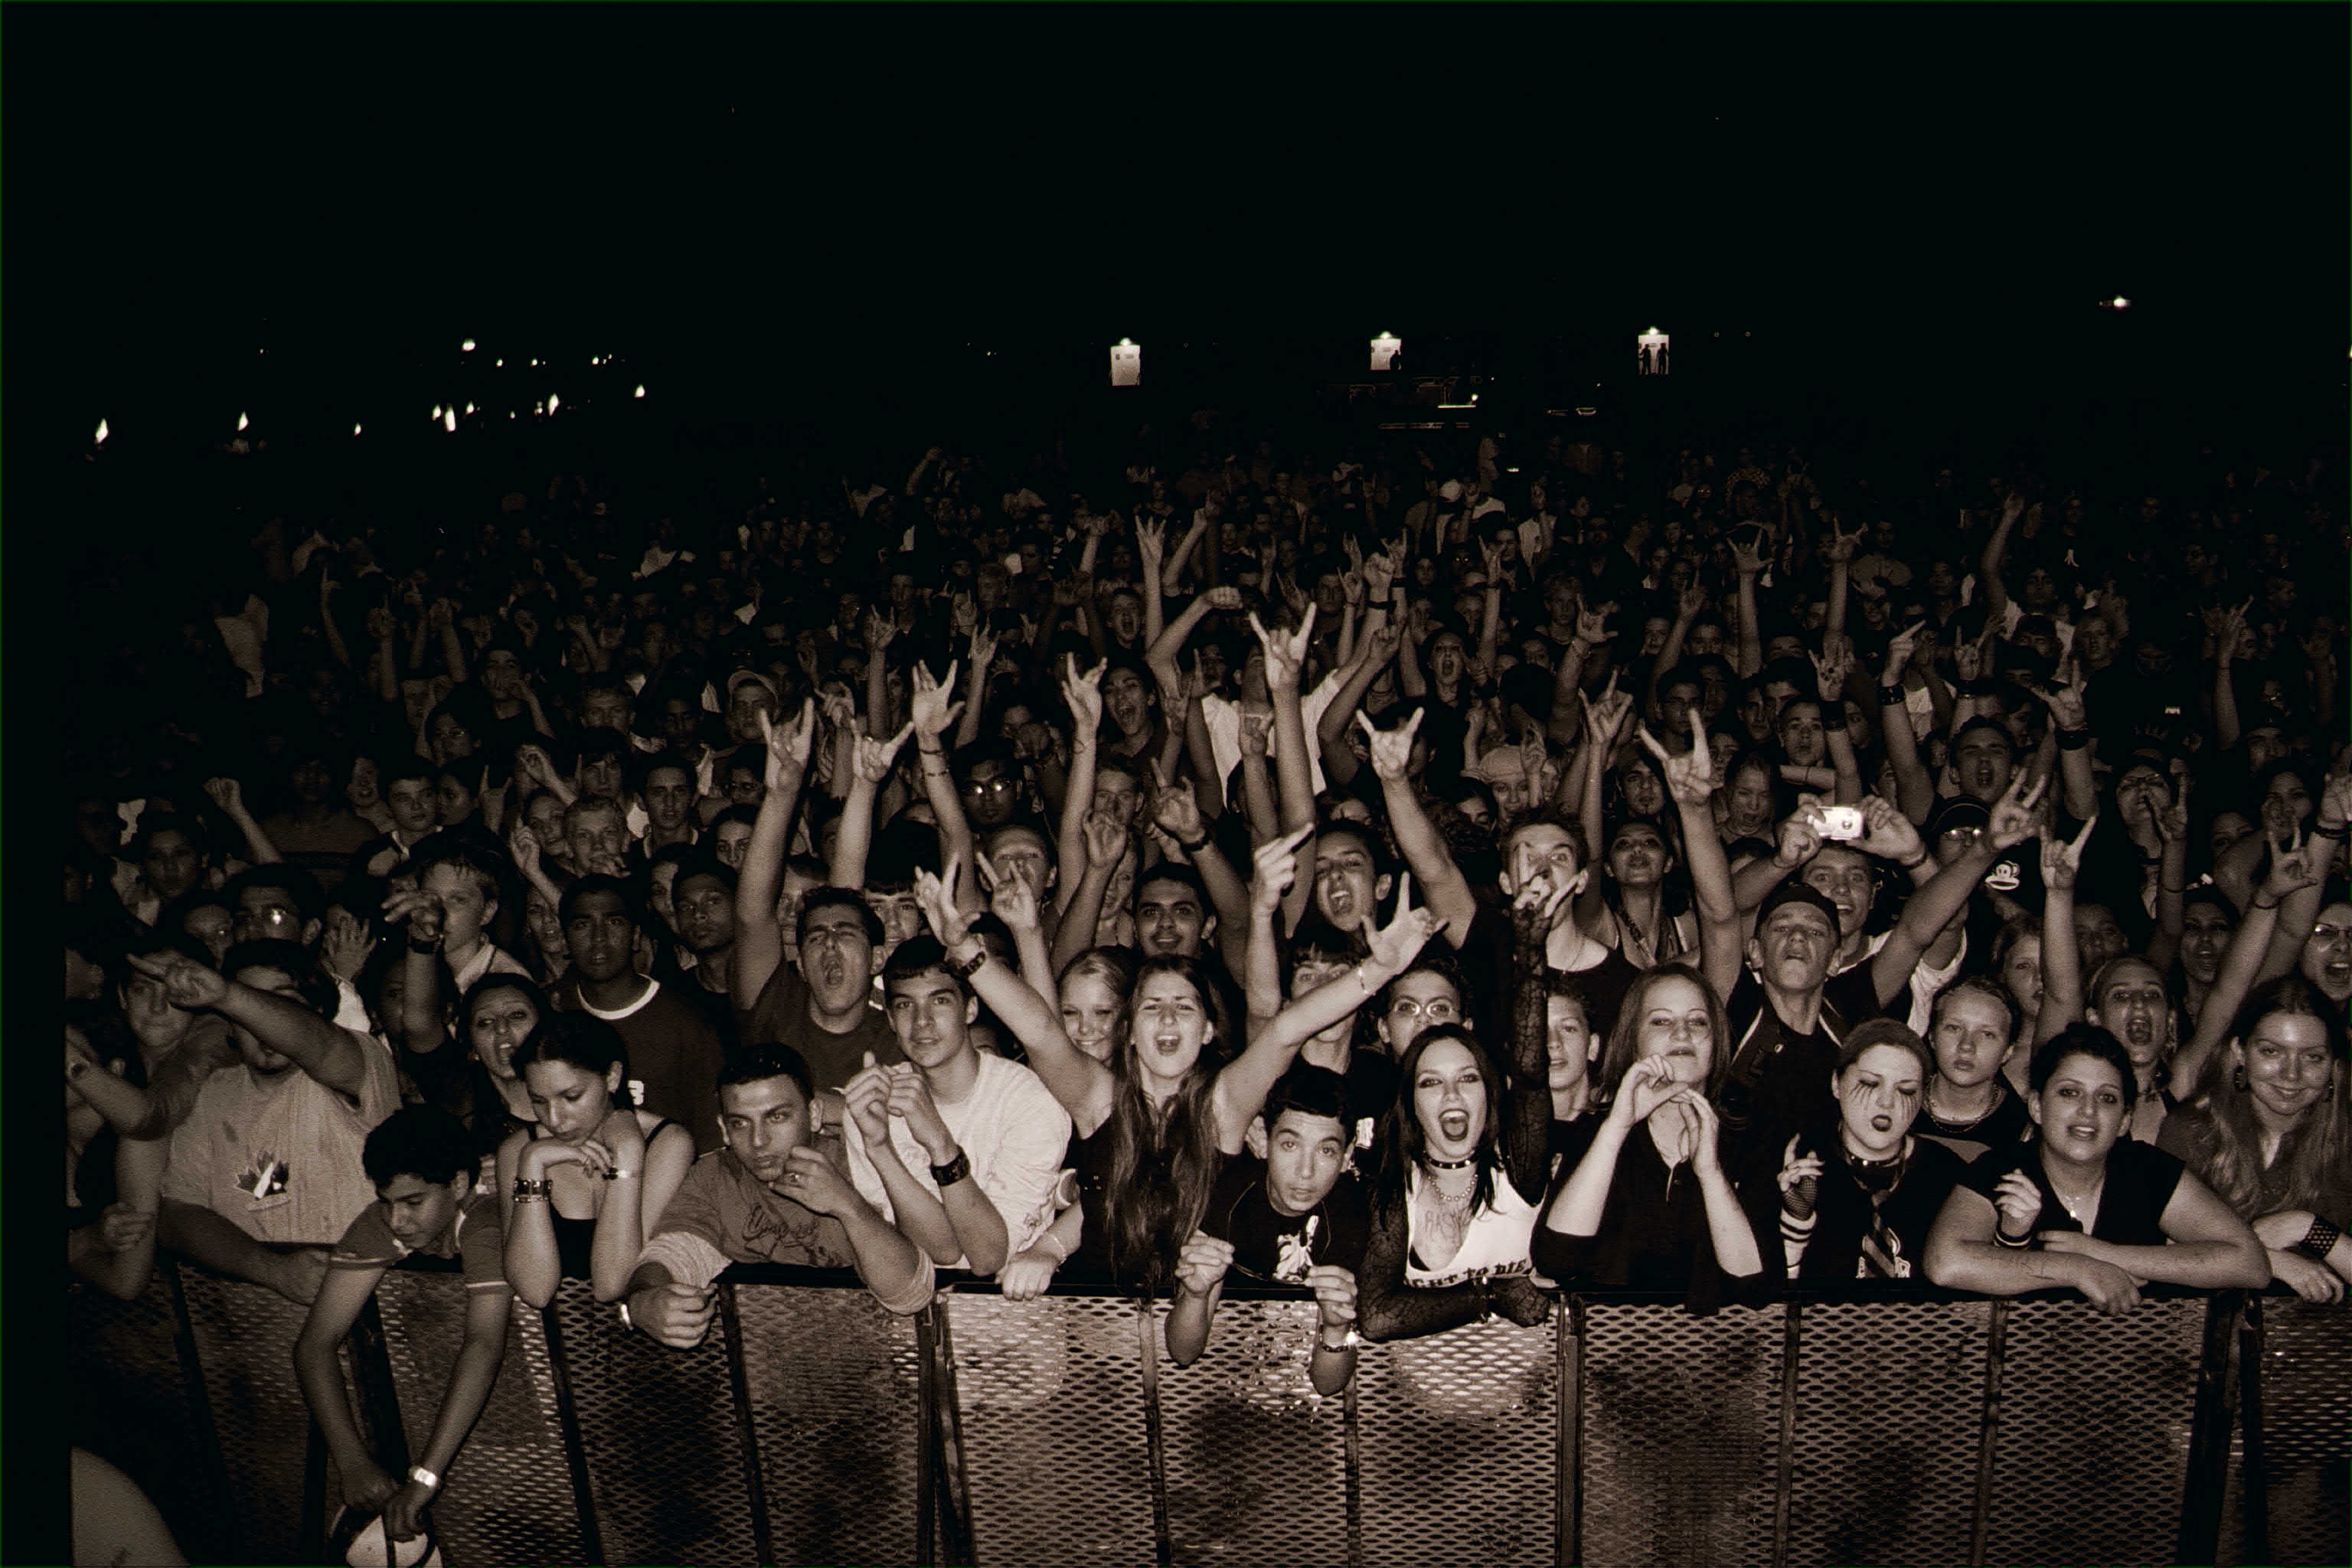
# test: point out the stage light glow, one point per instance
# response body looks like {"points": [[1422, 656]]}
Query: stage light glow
{"points": [[101, 432], [551, 400], [242, 421], [466, 347], [449, 420], [470, 408], [355, 429], [640, 392]]}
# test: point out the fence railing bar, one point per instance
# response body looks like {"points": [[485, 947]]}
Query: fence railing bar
{"points": [[2207, 1476], [575, 1445], [229, 1529], [1154, 1440], [740, 1383], [955, 1481], [2255, 1506], [1784, 1480], [1571, 1440], [926, 1429], [1989, 1428], [314, 1495]]}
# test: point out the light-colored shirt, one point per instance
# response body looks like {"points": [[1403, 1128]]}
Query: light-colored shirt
{"points": [[281, 1161], [1015, 1133]]}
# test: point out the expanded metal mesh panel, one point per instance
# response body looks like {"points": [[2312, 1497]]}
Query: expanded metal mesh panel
{"points": [[664, 1457], [1888, 1399], [2307, 1397], [1681, 1428], [2093, 1458], [1051, 1394], [1458, 1434], [244, 1337], [132, 1406], [509, 1496], [833, 1381], [1256, 1457]]}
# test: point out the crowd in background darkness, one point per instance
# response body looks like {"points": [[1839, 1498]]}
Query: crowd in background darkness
{"points": [[1429, 871]]}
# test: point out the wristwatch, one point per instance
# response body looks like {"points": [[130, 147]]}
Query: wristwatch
{"points": [[1348, 1340], [955, 1170], [424, 1477]]}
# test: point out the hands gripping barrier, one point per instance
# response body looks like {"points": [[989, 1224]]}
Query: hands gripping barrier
{"points": [[812, 1427]]}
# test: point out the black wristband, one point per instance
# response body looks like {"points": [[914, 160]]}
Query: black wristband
{"points": [[955, 1170], [1832, 712], [1195, 847], [2074, 739], [2001, 1236], [1893, 696], [430, 949], [2319, 1241]]}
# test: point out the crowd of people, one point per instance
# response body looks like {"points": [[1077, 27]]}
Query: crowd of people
{"points": [[1435, 877]]}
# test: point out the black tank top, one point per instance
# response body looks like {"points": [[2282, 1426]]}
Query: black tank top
{"points": [[575, 1239]]}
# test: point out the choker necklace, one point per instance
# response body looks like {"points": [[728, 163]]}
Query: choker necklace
{"points": [[1449, 1164]]}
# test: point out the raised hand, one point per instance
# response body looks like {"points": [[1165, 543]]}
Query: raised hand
{"points": [[1538, 907], [1223, 597], [1887, 832], [1174, 808], [1748, 560], [2226, 636], [2172, 818], [1011, 899], [1107, 838], [1593, 625], [1967, 658], [1800, 835], [981, 652], [346, 945], [1830, 667], [2334, 800], [2017, 1203], [187, 985], [1491, 560], [2013, 815], [1285, 654], [1606, 716], [2062, 860], [1151, 543], [2294, 866], [1707, 1139], [1690, 602], [788, 748], [1898, 653], [1084, 694], [1379, 573], [226, 794], [936, 897], [928, 709], [2066, 702], [1391, 749], [1395, 945], [912, 1103], [1840, 543], [875, 757], [1351, 588], [1256, 735], [867, 1094], [1273, 867], [1690, 778]]}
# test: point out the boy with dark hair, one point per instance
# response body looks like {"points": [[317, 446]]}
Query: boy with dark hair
{"points": [[421, 1161], [1300, 1216], [406, 785], [778, 1193], [674, 1051]]}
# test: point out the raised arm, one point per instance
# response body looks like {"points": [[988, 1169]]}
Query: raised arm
{"points": [[333, 1057], [1379, 646], [2070, 729], [1082, 1084], [1443, 883], [857, 836], [1829, 670], [2291, 868], [1996, 592], [1750, 561], [1150, 541], [1915, 792], [2171, 879], [226, 794], [931, 715], [1690, 780], [759, 944], [1083, 693], [1177, 813], [2061, 954]]}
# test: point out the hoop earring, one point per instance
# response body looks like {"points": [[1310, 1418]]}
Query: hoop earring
{"points": [[2238, 1080]]}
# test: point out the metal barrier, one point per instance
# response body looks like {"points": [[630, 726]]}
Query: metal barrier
{"points": [[811, 1427]]}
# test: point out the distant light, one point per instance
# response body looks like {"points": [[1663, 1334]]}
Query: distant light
{"points": [[539, 407], [101, 432], [466, 347], [641, 391], [242, 421], [355, 429], [449, 420], [436, 411], [1588, 413], [551, 402], [534, 364], [1510, 471], [2122, 303], [470, 408]]}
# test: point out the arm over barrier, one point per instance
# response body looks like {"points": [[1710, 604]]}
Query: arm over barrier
{"points": [[1861, 1425]]}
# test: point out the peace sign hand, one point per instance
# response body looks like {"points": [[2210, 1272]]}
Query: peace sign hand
{"points": [[2013, 816]]}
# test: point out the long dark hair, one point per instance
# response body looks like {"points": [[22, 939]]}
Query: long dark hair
{"points": [[1162, 1168], [2229, 1136], [1403, 1143], [1625, 1036]]}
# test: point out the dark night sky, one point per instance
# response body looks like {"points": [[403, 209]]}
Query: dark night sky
{"points": [[186, 184]]}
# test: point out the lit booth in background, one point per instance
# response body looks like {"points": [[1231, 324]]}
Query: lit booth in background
{"points": [[1651, 350], [1125, 363], [1385, 349]]}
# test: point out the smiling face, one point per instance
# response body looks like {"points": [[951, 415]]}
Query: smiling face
{"points": [[1842, 877], [1449, 1100], [1877, 1096], [1677, 1026], [1091, 1008], [2080, 1110], [2288, 1066]]}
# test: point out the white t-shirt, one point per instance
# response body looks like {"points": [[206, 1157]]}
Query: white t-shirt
{"points": [[281, 1160], [1223, 716], [1016, 1133]]}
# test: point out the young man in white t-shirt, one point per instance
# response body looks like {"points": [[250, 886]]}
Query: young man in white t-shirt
{"points": [[960, 1148]]}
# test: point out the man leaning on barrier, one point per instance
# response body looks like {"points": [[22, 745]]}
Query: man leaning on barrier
{"points": [[779, 1192]]}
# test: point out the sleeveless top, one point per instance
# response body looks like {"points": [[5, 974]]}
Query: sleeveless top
{"points": [[575, 1239], [1495, 1242]]}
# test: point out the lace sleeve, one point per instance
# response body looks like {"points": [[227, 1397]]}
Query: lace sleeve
{"points": [[1388, 1307]]}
